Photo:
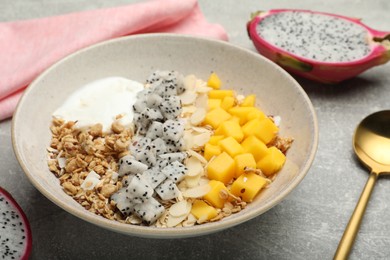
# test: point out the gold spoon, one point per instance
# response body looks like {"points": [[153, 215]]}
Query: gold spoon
{"points": [[371, 143]]}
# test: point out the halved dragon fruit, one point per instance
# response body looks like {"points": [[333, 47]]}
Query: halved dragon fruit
{"points": [[325, 47], [15, 232]]}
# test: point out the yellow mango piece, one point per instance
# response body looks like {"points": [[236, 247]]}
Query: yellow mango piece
{"points": [[231, 146], [220, 93], [227, 102], [215, 117], [213, 196], [213, 103], [210, 151], [241, 113], [233, 129], [272, 162], [255, 114], [221, 168], [202, 211], [235, 119], [264, 129], [249, 101], [247, 186], [215, 139], [253, 145], [242, 161], [214, 81]]}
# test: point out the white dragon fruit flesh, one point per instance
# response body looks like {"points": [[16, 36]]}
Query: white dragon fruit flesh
{"points": [[175, 171], [128, 164], [155, 164], [167, 190], [149, 211], [15, 231], [320, 46]]}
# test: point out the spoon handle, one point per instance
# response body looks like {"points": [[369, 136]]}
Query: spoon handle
{"points": [[350, 232]]}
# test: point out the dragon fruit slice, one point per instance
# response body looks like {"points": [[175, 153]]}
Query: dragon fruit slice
{"points": [[154, 100], [139, 189], [154, 176], [123, 203], [147, 155], [175, 171], [155, 130], [151, 114], [167, 190], [15, 235], [171, 107], [320, 46], [138, 143], [149, 211], [160, 146], [127, 165], [173, 130], [171, 157]]}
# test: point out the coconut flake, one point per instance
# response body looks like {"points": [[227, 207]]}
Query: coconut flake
{"points": [[90, 181]]}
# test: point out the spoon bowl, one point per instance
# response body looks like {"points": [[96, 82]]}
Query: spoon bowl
{"points": [[371, 143]]}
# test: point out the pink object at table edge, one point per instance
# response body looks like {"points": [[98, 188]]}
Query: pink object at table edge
{"points": [[29, 47]]}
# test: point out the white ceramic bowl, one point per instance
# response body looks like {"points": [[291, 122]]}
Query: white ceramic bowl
{"points": [[135, 57]]}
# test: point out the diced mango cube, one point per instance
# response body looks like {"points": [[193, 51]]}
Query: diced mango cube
{"points": [[214, 196], [233, 129], [272, 162], [231, 146], [210, 151], [247, 186], [253, 145], [215, 117], [202, 211], [256, 113], [242, 161], [221, 168], [215, 139], [214, 81], [220, 93], [227, 102], [241, 113], [249, 101], [264, 129], [213, 103], [235, 119]]}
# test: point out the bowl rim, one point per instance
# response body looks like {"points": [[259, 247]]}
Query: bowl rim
{"points": [[175, 232]]}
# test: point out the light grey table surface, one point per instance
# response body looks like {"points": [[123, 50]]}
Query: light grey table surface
{"points": [[308, 224]]}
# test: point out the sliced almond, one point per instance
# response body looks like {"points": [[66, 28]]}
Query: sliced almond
{"points": [[181, 208], [200, 130], [188, 97], [201, 139], [194, 166], [202, 101], [192, 181], [197, 192], [188, 139], [190, 82], [198, 156], [173, 221], [188, 109]]}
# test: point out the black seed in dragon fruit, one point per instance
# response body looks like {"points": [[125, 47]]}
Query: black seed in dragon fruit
{"points": [[128, 164], [175, 171], [167, 190], [155, 130], [139, 189], [149, 211], [15, 231]]}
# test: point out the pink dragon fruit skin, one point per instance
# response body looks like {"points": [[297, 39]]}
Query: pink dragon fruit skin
{"points": [[325, 72]]}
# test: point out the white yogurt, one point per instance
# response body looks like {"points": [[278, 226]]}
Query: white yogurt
{"points": [[100, 102]]}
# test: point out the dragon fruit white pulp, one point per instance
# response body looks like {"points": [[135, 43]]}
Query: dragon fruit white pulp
{"points": [[15, 232], [320, 46], [154, 167]]}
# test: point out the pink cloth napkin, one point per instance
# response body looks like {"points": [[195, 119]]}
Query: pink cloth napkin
{"points": [[29, 47]]}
